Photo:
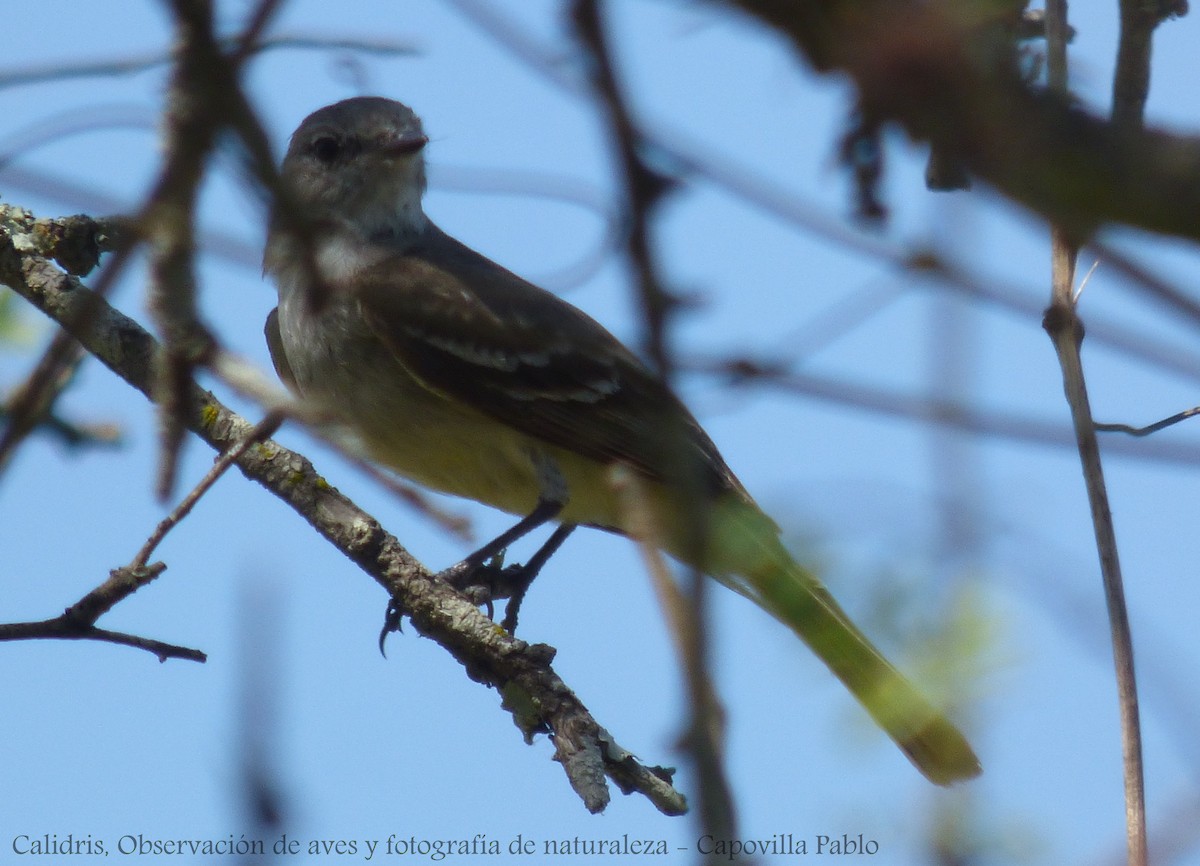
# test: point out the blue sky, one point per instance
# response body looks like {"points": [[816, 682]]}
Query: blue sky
{"points": [[104, 741]]}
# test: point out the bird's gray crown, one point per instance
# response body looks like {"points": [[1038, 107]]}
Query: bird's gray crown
{"points": [[362, 123]]}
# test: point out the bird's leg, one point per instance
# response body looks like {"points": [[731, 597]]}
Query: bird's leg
{"points": [[460, 574], [520, 577], [482, 576]]}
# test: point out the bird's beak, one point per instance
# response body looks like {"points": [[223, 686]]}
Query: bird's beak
{"points": [[405, 145]]}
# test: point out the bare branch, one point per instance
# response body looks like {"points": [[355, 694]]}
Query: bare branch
{"points": [[1150, 428], [644, 191], [193, 120], [927, 409], [121, 583], [644, 187], [32, 402], [1066, 332], [1131, 80], [153, 60], [61, 629], [263, 430], [78, 622], [934, 69], [1151, 285], [75, 434]]}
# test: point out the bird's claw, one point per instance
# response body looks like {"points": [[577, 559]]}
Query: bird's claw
{"points": [[391, 623]]}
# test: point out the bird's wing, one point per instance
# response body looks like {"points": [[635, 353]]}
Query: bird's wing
{"points": [[275, 347], [477, 333]]}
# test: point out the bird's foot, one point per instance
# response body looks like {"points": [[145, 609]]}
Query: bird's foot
{"points": [[485, 583], [484, 579]]}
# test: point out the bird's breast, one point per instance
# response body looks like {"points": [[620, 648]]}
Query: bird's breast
{"points": [[350, 375]]}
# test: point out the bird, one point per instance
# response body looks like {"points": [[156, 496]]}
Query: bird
{"points": [[458, 374]]}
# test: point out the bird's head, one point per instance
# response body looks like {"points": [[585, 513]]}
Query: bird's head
{"points": [[359, 161]]}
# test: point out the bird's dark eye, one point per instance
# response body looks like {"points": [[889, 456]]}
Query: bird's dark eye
{"points": [[326, 148]]}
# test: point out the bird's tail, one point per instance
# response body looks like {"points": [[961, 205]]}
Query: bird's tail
{"points": [[744, 551]]}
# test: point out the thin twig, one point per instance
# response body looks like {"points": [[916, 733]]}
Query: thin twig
{"points": [[1158, 289], [1066, 332], [32, 402], [121, 583], [1150, 428], [60, 628], [249, 40], [76, 434], [644, 191], [78, 622], [264, 429], [926, 409], [644, 187], [633, 497], [1131, 78], [141, 63]]}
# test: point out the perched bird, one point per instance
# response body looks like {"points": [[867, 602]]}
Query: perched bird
{"points": [[456, 373]]}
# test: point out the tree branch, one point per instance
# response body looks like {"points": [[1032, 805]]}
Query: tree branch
{"points": [[135, 64], [1066, 331], [64, 628], [934, 68], [644, 192]]}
